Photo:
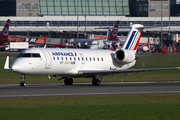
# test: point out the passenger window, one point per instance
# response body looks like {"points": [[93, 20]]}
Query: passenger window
{"points": [[78, 59], [86, 59], [94, 59], [75, 58], [66, 58], [70, 58], [102, 59], [57, 58], [61, 58], [98, 59], [90, 58], [54, 58]]}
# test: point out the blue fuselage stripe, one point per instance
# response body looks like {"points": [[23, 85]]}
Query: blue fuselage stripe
{"points": [[134, 40], [129, 42]]}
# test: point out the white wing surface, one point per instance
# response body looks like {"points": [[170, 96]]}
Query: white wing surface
{"points": [[123, 71]]}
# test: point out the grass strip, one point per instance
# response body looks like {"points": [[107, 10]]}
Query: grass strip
{"points": [[142, 107]]}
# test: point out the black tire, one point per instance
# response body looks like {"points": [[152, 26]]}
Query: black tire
{"points": [[70, 80], [66, 81], [98, 82], [94, 82], [23, 84]]}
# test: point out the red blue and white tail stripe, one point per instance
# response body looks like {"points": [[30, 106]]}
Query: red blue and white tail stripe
{"points": [[132, 39]]}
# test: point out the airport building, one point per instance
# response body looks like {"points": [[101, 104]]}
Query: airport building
{"points": [[62, 18]]}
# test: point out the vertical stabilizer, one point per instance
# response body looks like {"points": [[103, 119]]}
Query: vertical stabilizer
{"points": [[108, 34], [133, 38], [5, 32], [113, 34]]}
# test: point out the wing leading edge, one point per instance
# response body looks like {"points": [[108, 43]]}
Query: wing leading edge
{"points": [[123, 71]]}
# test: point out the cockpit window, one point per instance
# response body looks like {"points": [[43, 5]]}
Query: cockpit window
{"points": [[36, 55], [32, 55], [26, 55]]}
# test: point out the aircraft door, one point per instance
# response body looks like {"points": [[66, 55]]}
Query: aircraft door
{"points": [[82, 59], [48, 59]]}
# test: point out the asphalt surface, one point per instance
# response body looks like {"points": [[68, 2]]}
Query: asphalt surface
{"points": [[86, 89]]}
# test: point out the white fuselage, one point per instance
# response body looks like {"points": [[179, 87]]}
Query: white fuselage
{"points": [[65, 62]]}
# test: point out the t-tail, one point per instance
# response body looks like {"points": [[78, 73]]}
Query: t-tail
{"points": [[133, 38], [5, 32], [113, 34]]}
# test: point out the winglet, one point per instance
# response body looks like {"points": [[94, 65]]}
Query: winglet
{"points": [[6, 66]]}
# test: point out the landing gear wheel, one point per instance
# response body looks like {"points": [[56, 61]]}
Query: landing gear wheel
{"points": [[68, 81], [96, 82], [23, 84]]}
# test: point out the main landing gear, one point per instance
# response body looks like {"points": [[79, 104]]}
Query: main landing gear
{"points": [[96, 81], [67, 81], [23, 83]]}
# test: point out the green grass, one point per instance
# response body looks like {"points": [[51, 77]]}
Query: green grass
{"points": [[145, 61], [156, 107]]}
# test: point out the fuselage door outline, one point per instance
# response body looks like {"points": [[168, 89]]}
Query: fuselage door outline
{"points": [[82, 59], [48, 59]]}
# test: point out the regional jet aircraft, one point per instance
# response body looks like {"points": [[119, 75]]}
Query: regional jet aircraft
{"points": [[70, 63], [101, 43]]}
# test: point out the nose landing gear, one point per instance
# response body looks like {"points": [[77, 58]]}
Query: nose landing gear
{"points": [[23, 83]]}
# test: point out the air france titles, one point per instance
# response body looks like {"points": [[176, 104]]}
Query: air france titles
{"points": [[62, 54], [65, 54]]}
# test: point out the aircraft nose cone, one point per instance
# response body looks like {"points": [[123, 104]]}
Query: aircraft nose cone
{"points": [[14, 68]]}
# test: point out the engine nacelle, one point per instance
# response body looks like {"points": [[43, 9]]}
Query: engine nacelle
{"points": [[125, 56]]}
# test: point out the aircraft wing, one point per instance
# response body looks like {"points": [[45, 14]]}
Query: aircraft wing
{"points": [[84, 40], [123, 71], [128, 27], [110, 41]]}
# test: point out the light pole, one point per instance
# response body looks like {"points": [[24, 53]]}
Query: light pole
{"points": [[161, 22], [77, 21], [85, 19], [169, 19]]}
